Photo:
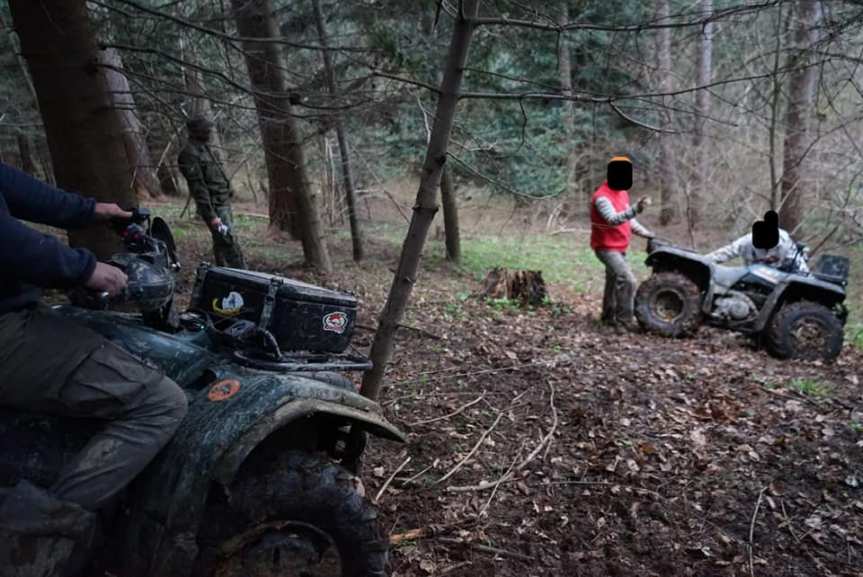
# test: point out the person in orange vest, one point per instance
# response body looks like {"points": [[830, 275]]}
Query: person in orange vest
{"points": [[612, 223]]}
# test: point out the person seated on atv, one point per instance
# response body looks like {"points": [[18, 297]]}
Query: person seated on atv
{"points": [[50, 364], [612, 222], [779, 252]]}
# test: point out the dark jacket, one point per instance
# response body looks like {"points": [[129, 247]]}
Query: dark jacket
{"points": [[208, 183], [31, 259]]}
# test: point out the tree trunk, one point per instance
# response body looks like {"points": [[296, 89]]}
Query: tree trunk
{"points": [[167, 182], [668, 210], [292, 204], [452, 234], [25, 154], [85, 133], [801, 93], [142, 177], [775, 103], [425, 206], [347, 175], [564, 59], [278, 130], [704, 75]]}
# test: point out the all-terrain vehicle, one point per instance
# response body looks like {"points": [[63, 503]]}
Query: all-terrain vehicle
{"points": [[796, 315], [261, 477]]}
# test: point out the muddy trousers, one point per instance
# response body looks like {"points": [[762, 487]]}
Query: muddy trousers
{"points": [[53, 365], [619, 294]]}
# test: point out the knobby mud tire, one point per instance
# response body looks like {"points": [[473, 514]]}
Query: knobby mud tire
{"points": [[782, 344], [304, 488], [690, 296]]}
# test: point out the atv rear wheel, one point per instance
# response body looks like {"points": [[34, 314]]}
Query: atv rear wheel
{"points": [[292, 514], [668, 303], [805, 330]]}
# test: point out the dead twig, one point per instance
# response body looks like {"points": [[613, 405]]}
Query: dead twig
{"points": [[487, 549], [450, 415], [412, 535], [509, 475], [408, 327], [410, 480], [752, 529], [390, 480], [451, 568], [485, 507], [472, 451], [787, 521], [423, 532]]}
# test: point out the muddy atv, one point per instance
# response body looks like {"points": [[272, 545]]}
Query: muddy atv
{"points": [[261, 479], [796, 315]]}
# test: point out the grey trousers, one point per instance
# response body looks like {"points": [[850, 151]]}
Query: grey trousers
{"points": [[51, 364], [619, 294]]}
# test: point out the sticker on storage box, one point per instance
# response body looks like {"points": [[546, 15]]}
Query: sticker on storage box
{"points": [[230, 306], [336, 322]]}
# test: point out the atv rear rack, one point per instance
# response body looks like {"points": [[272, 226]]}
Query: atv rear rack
{"points": [[303, 361]]}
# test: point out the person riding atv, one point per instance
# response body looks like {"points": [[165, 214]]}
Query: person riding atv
{"points": [[783, 254], [260, 477], [52, 365]]}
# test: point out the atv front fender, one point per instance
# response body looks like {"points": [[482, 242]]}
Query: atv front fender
{"points": [[224, 424], [798, 287], [695, 266]]}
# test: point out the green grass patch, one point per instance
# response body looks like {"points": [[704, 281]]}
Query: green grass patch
{"points": [[810, 387], [561, 260]]}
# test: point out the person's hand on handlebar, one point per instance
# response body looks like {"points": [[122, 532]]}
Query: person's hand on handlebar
{"points": [[107, 211], [107, 278]]}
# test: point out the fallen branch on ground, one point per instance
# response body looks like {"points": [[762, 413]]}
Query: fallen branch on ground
{"points": [[509, 475], [752, 530], [408, 327], [487, 549], [472, 451], [390, 480], [448, 416]]}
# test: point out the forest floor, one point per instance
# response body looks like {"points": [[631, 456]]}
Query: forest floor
{"points": [[541, 443]]}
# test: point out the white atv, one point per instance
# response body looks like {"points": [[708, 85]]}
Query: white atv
{"points": [[796, 315]]}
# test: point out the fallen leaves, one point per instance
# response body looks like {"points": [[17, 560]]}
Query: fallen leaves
{"points": [[660, 450]]}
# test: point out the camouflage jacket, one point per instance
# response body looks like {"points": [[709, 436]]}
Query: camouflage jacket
{"points": [[208, 183]]}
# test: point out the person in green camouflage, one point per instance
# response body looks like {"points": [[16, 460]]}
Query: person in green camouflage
{"points": [[211, 189]]}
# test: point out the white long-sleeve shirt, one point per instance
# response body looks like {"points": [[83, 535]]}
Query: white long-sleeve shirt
{"points": [[779, 256], [612, 217]]}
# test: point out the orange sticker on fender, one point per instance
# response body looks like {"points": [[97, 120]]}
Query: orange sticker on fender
{"points": [[223, 390]]}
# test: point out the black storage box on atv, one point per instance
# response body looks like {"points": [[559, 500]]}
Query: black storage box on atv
{"points": [[301, 317]]}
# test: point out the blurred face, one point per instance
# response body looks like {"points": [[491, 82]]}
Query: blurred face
{"points": [[620, 174]]}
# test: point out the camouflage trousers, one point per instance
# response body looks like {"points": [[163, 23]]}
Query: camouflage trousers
{"points": [[50, 364], [226, 249], [619, 294]]}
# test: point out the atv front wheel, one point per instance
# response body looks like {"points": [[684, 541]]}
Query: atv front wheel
{"points": [[292, 514], [805, 330], [668, 303]]}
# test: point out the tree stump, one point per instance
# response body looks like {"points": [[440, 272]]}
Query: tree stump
{"points": [[523, 286]]}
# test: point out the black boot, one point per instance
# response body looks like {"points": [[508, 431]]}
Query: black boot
{"points": [[42, 536]]}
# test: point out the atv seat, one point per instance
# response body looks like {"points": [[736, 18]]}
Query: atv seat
{"points": [[727, 276], [832, 269]]}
